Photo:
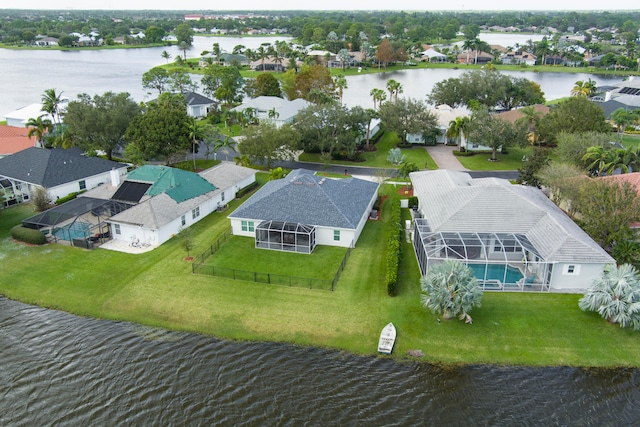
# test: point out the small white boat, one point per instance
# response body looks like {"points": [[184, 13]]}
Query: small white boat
{"points": [[387, 339]]}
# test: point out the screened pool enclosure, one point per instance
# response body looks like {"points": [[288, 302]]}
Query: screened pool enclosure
{"points": [[500, 261], [286, 236]]}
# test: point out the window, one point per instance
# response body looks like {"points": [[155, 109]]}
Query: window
{"points": [[83, 185], [195, 213], [117, 228], [247, 226], [336, 235], [571, 269], [183, 220]]}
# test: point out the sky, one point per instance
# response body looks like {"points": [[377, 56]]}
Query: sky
{"points": [[248, 5]]}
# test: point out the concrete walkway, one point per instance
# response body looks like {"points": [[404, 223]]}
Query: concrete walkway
{"points": [[443, 156]]}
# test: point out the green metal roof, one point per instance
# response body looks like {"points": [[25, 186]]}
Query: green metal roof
{"points": [[178, 184]]}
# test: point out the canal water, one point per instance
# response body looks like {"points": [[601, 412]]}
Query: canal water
{"points": [[26, 74], [60, 369]]}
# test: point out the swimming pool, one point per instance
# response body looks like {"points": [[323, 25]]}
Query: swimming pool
{"points": [[76, 230], [502, 272]]}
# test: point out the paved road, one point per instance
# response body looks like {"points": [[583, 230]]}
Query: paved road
{"points": [[444, 156]]}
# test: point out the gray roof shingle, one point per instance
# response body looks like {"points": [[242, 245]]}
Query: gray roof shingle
{"points": [[52, 167], [305, 198]]}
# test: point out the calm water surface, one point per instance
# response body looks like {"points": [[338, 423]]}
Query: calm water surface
{"points": [[59, 369], [26, 74]]}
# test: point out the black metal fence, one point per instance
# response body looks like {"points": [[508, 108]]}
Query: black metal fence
{"points": [[199, 267]]}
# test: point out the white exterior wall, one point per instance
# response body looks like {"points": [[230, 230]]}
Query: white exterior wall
{"points": [[582, 278], [90, 182], [324, 236]]}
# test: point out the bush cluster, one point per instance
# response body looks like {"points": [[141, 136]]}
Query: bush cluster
{"points": [[394, 234], [28, 235], [413, 202], [68, 197], [243, 191]]}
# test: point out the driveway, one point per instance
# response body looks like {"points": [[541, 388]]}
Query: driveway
{"points": [[444, 158]]}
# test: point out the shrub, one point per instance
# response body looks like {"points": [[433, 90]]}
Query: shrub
{"points": [[463, 153], [28, 235], [413, 202], [68, 197], [40, 199], [249, 188], [394, 238]]}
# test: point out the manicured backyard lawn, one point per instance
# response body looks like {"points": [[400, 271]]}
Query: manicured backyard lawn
{"points": [[240, 253], [510, 161], [630, 140], [378, 158], [158, 289]]}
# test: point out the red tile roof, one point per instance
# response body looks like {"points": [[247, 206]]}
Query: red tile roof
{"points": [[14, 139]]}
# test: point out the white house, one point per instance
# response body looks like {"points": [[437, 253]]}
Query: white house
{"points": [[444, 115], [512, 236], [168, 199], [59, 172], [273, 109], [432, 55], [303, 210], [198, 105]]}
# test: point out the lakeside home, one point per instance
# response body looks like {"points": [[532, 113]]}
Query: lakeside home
{"points": [[512, 236]]}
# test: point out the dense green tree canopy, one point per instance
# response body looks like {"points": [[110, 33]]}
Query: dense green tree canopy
{"points": [[224, 83], [156, 79], [491, 131], [100, 123], [263, 85], [265, 143], [408, 116], [184, 33], [161, 131], [574, 115]]}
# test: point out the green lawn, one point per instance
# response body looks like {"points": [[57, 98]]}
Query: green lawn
{"points": [[378, 158], [158, 289], [510, 161], [630, 140], [240, 253]]}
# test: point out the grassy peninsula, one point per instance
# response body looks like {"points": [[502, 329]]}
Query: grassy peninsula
{"points": [[158, 289]]}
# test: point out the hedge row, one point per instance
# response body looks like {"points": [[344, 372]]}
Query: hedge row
{"points": [[243, 191], [68, 197], [28, 235], [393, 234]]}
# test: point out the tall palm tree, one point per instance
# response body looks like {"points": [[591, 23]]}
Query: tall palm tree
{"points": [[184, 46], [166, 55], [262, 53], [38, 127], [224, 144], [394, 87], [530, 119], [458, 129], [196, 134], [340, 83], [468, 45], [51, 101], [379, 96]]}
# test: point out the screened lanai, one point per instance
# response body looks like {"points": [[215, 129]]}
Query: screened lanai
{"points": [[286, 236], [79, 222], [499, 260]]}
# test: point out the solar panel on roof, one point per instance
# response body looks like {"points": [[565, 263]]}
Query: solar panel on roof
{"points": [[131, 191]]}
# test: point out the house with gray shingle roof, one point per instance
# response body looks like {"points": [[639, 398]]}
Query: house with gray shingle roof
{"points": [[198, 105], [513, 237], [302, 210], [59, 172], [273, 109]]}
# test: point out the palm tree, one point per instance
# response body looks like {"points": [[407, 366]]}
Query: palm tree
{"points": [[451, 289], [166, 55], [224, 144], [601, 160], [468, 45], [39, 127], [458, 129], [379, 96], [184, 46], [584, 88], [530, 119], [394, 87], [196, 134], [340, 83], [615, 296], [262, 53], [623, 118], [51, 104], [479, 45]]}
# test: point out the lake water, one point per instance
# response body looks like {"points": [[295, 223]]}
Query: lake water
{"points": [[59, 369], [26, 74]]}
